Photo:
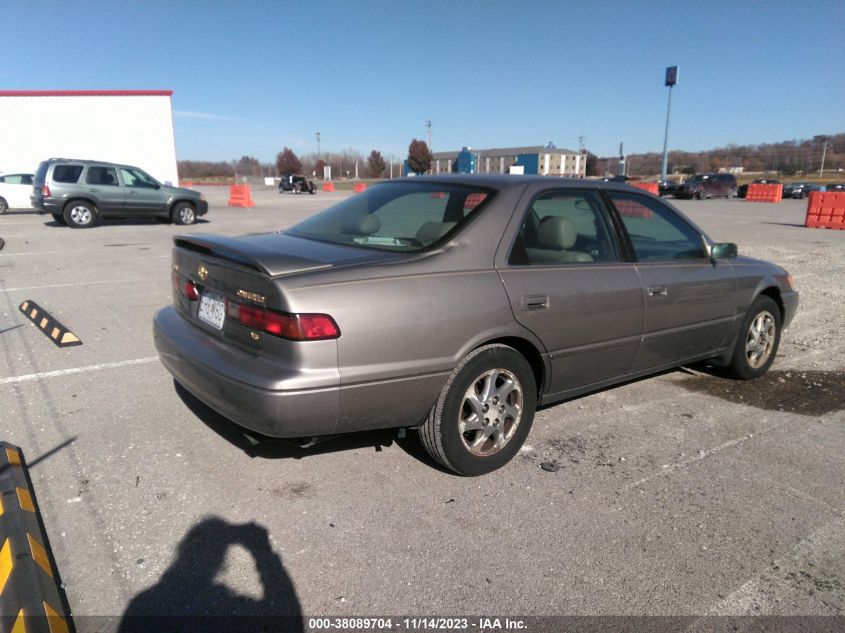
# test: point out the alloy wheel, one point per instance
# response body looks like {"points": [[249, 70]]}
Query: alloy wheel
{"points": [[491, 412]]}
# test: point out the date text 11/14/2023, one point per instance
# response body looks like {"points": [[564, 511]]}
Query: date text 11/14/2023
{"points": [[416, 624]]}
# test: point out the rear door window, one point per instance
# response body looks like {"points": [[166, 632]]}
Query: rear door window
{"points": [[67, 173], [564, 227], [101, 176], [17, 179]]}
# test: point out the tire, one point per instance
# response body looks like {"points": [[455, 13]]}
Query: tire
{"points": [[757, 341], [79, 214], [730, 193], [471, 392], [702, 195], [59, 218], [4, 206], [183, 214]]}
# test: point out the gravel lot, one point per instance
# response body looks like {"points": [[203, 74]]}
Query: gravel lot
{"points": [[683, 494]]}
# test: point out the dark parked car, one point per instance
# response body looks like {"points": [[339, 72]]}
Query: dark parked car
{"points": [[297, 184], [799, 189], [456, 305], [743, 189], [703, 186], [835, 186], [80, 192], [667, 187]]}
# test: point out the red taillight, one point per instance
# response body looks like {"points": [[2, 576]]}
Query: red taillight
{"points": [[245, 315], [184, 287], [296, 327], [317, 326], [191, 291], [45, 190]]}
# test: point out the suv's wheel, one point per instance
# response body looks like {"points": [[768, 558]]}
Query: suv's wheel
{"points": [[484, 412], [184, 213], [730, 193], [79, 214], [4, 206], [702, 195], [758, 340], [58, 218]]}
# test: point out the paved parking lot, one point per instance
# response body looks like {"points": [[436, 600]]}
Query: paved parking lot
{"points": [[682, 494]]}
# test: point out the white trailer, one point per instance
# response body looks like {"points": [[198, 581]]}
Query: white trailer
{"points": [[133, 127]]}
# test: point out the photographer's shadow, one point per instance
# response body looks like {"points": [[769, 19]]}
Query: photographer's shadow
{"points": [[189, 598]]}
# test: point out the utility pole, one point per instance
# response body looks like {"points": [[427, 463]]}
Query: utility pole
{"points": [[581, 144], [824, 151], [318, 145], [428, 127], [671, 80]]}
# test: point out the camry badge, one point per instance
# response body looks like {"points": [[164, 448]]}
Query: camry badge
{"points": [[203, 273], [251, 296]]}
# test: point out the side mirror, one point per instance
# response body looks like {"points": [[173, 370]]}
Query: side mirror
{"points": [[723, 250]]}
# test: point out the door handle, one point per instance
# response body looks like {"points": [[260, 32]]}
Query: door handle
{"points": [[534, 302], [657, 291], [94, 190]]}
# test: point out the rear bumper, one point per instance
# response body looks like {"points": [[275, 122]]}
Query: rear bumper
{"points": [[46, 205], [236, 384]]}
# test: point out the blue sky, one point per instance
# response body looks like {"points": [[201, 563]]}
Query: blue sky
{"points": [[251, 77]]}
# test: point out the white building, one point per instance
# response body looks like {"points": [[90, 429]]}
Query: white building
{"points": [[133, 127]]}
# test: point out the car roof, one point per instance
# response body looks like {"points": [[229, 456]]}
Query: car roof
{"points": [[509, 181], [88, 161]]}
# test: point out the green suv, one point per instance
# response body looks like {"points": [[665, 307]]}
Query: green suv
{"points": [[80, 192]]}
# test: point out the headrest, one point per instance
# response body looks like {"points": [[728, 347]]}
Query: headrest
{"points": [[366, 224], [556, 233], [430, 232]]}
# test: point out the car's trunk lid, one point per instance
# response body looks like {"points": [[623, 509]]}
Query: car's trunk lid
{"points": [[226, 270]]}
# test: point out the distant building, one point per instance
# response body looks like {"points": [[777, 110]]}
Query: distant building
{"points": [[545, 160]]}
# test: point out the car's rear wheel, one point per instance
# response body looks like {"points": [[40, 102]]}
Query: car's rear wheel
{"points": [[730, 193], [4, 206], [58, 218], [702, 195], [79, 214], [758, 340], [484, 412], [184, 213]]}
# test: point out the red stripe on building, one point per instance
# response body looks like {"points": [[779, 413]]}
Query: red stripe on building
{"points": [[86, 93]]}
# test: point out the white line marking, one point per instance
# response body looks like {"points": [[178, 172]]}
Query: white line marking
{"points": [[78, 283], [77, 370], [72, 253], [701, 455], [770, 588]]}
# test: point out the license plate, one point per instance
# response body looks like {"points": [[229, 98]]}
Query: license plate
{"points": [[212, 309]]}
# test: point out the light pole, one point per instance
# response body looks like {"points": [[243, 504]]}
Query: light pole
{"points": [[671, 80], [428, 126], [318, 146], [824, 151]]}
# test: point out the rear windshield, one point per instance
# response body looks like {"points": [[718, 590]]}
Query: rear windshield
{"points": [[41, 172], [403, 216], [66, 173]]}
